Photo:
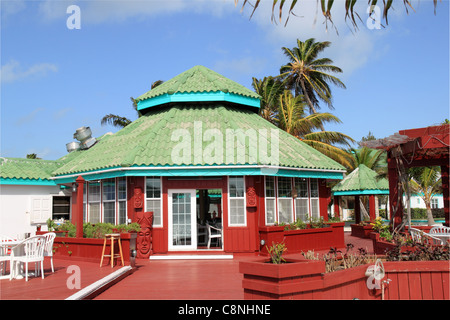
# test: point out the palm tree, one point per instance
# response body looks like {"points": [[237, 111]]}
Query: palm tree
{"points": [[269, 89], [371, 158], [426, 182], [293, 119], [308, 75], [121, 122]]}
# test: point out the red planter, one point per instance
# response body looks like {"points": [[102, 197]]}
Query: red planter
{"points": [[305, 239], [361, 231], [89, 249], [409, 280], [380, 246]]}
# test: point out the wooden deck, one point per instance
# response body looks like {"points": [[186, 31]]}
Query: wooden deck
{"points": [[151, 280]]}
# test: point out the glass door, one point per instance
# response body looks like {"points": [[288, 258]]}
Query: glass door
{"points": [[182, 220]]}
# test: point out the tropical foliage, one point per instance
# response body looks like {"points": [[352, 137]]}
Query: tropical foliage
{"points": [[426, 182], [309, 75], [326, 5]]}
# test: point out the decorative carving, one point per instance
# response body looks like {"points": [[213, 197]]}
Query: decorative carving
{"points": [[144, 236], [251, 197], [138, 198]]}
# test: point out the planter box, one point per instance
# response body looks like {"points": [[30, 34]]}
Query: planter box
{"points": [[409, 280], [380, 246], [89, 249], [305, 239], [361, 231]]}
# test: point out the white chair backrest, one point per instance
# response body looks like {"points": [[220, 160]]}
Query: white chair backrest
{"points": [[440, 229], [430, 239], [416, 234], [49, 238], [33, 247]]}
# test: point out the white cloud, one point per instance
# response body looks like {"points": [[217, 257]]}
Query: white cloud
{"points": [[30, 117], [248, 66], [12, 71]]}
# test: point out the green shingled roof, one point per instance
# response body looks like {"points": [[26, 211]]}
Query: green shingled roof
{"points": [[196, 80], [27, 169], [148, 141], [361, 180]]}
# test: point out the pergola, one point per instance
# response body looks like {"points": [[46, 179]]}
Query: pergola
{"points": [[362, 181], [420, 147]]}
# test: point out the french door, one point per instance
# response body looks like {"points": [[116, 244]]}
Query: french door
{"points": [[182, 219]]}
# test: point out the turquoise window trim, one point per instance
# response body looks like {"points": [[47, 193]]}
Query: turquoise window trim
{"points": [[360, 192], [199, 171], [196, 97], [27, 182]]}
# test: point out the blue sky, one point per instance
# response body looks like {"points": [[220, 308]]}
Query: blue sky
{"points": [[55, 80]]}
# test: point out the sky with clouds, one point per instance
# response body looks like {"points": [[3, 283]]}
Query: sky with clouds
{"points": [[55, 79]]}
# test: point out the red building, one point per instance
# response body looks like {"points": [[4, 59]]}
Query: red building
{"points": [[200, 156]]}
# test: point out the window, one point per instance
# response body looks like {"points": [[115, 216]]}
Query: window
{"points": [[105, 201], [270, 201], [237, 201], [285, 210], [153, 199], [122, 200], [314, 198], [109, 201], [61, 207], [434, 203], [94, 202], [289, 199], [302, 199]]}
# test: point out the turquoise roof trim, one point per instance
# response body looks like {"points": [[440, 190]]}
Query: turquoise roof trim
{"points": [[27, 182], [200, 171], [198, 97], [359, 192]]}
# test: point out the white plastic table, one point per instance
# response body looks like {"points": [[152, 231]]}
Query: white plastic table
{"points": [[443, 236]]}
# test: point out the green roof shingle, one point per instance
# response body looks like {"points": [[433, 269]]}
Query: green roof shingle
{"points": [[196, 80], [32, 169], [152, 138], [361, 179]]}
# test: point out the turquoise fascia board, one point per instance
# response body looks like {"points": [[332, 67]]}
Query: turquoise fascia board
{"points": [[198, 97], [359, 192], [26, 182], [199, 171]]}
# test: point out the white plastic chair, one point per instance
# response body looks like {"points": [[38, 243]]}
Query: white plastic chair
{"points": [[29, 250], [440, 229], [48, 247], [420, 236], [215, 233], [5, 255]]}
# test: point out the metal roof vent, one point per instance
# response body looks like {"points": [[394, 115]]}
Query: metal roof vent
{"points": [[72, 146], [84, 135]]}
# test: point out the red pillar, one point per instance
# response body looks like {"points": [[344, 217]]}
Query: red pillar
{"points": [[394, 194], [372, 211], [446, 192], [78, 214], [357, 210], [323, 199], [336, 206]]}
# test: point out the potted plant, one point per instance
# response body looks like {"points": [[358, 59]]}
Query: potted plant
{"points": [[276, 276]]}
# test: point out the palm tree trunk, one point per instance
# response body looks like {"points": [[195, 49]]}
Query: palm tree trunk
{"points": [[429, 214]]}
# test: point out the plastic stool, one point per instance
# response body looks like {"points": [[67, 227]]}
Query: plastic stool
{"points": [[112, 237]]}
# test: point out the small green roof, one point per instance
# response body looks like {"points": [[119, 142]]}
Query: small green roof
{"points": [[198, 84], [362, 180], [151, 140], [29, 170]]}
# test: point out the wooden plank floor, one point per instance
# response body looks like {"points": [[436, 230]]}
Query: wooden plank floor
{"points": [[152, 280]]}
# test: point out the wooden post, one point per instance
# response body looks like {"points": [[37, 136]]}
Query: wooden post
{"points": [[336, 207], [372, 207], [78, 214], [357, 210], [446, 192], [394, 202]]}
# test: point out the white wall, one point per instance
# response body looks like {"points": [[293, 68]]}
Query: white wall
{"points": [[417, 201], [16, 207]]}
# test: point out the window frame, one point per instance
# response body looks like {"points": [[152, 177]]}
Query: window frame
{"points": [[160, 225], [230, 224]]}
